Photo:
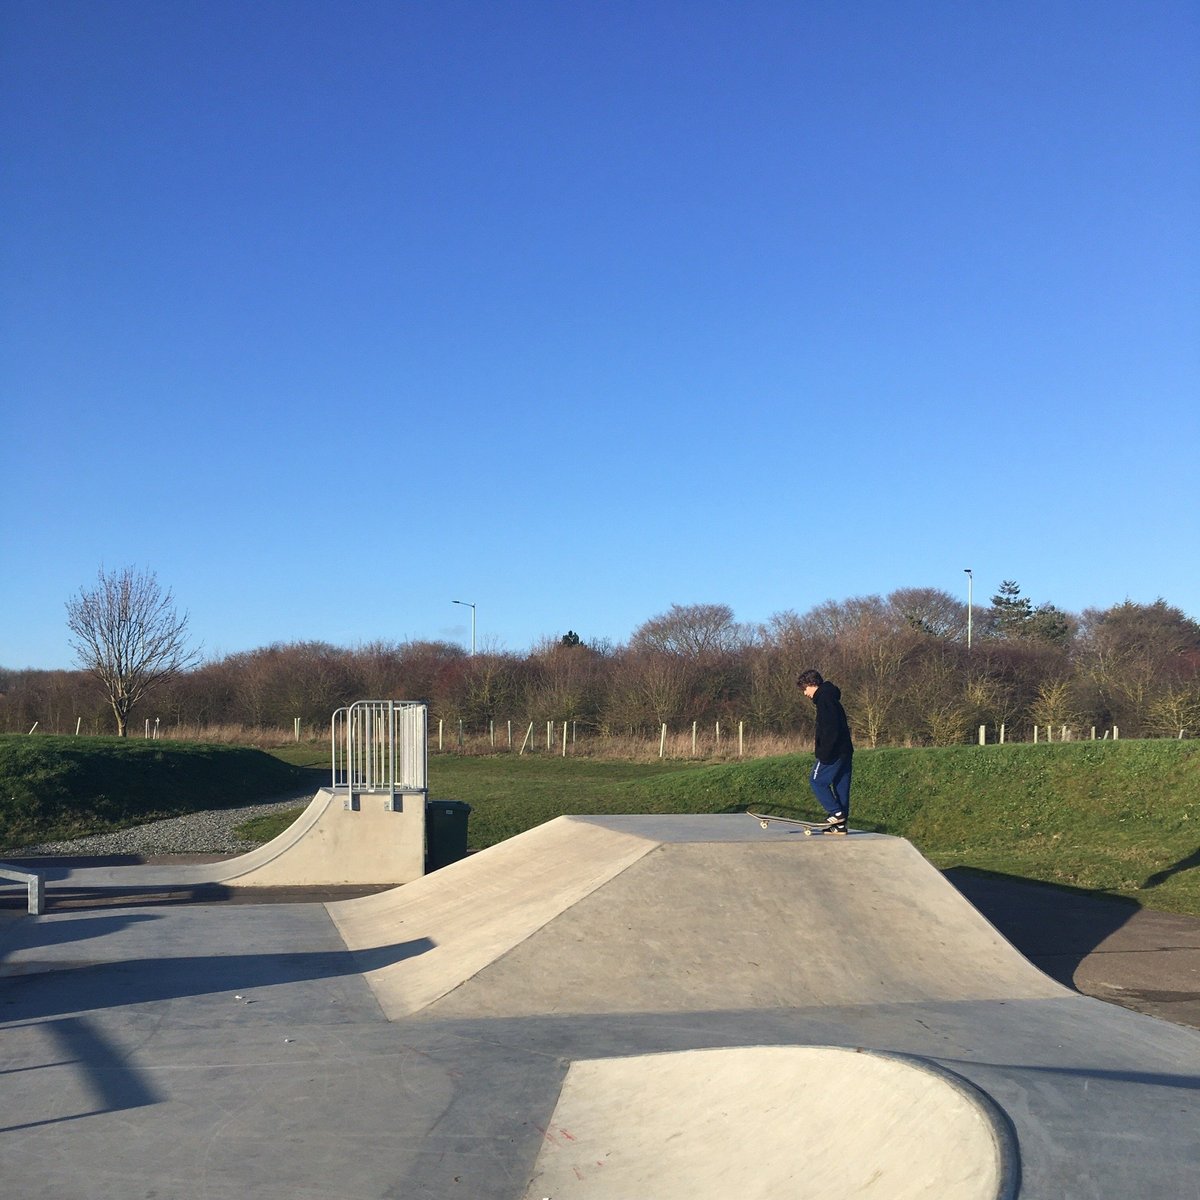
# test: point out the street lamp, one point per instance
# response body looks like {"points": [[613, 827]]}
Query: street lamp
{"points": [[468, 604], [970, 583]]}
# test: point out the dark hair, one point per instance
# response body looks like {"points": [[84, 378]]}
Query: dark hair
{"points": [[809, 678]]}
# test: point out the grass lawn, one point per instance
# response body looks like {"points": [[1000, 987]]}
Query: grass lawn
{"points": [[1115, 818], [57, 788], [1120, 819]]}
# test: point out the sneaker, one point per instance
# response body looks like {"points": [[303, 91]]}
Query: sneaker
{"points": [[836, 823]]}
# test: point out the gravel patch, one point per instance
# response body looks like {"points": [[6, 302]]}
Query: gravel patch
{"points": [[209, 832]]}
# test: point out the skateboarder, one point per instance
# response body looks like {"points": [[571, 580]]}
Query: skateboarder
{"points": [[835, 751]]}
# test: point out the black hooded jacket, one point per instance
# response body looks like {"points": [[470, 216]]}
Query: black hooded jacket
{"points": [[833, 730]]}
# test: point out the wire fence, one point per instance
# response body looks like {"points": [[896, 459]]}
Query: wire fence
{"points": [[719, 740]]}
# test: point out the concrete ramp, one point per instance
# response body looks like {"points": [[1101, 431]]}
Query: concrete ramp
{"points": [[329, 844], [593, 915], [762, 1122], [476, 911]]}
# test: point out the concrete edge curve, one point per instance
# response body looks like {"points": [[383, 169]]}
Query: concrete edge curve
{"points": [[1003, 1131], [254, 860]]}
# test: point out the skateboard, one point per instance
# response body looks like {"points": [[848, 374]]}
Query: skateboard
{"points": [[811, 828]]}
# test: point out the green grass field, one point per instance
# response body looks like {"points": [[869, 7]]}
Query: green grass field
{"points": [[1115, 818], [1120, 818], [55, 788]]}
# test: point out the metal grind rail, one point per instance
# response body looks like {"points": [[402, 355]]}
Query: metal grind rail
{"points": [[33, 881]]}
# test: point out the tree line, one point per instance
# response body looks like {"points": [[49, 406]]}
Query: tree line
{"points": [[907, 674]]}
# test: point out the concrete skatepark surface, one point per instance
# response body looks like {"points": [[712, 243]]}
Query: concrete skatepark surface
{"points": [[630, 974]]}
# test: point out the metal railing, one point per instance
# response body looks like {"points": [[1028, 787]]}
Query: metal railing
{"points": [[34, 882], [381, 746]]}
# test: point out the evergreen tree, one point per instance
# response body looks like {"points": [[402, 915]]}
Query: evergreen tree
{"points": [[1011, 612]]}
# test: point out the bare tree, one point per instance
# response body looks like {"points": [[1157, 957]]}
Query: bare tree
{"points": [[564, 681], [1133, 655], [128, 634], [1055, 703], [694, 631], [930, 611]]}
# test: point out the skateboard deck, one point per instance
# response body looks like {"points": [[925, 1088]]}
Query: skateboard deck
{"points": [[811, 828]]}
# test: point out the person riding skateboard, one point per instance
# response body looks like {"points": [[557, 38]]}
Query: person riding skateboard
{"points": [[830, 779]]}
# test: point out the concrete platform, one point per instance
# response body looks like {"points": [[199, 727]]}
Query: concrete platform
{"points": [[639, 914], [624, 1126], [222, 1051]]}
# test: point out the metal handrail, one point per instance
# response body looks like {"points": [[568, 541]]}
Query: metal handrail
{"points": [[380, 746], [35, 882]]}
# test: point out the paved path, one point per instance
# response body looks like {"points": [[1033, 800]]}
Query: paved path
{"points": [[1111, 949]]}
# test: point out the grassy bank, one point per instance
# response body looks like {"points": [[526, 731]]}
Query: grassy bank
{"points": [[54, 788], [1122, 819], [1118, 818]]}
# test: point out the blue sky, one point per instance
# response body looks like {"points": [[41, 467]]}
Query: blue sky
{"points": [[330, 313]]}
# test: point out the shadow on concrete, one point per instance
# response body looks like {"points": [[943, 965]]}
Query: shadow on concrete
{"points": [[1187, 1083], [47, 989], [59, 933], [63, 898], [115, 1085], [59, 866], [1056, 928]]}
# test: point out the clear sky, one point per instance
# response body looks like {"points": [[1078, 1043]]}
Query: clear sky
{"points": [[330, 312]]}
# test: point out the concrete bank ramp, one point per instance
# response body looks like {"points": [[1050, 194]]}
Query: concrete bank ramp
{"points": [[682, 914], [768, 1122], [477, 910]]}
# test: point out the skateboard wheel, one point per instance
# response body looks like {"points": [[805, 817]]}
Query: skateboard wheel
{"points": [[764, 824], [808, 833]]}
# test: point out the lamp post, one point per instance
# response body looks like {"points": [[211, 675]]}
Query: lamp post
{"points": [[970, 588], [468, 604]]}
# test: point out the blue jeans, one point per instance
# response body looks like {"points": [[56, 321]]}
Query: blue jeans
{"points": [[831, 785]]}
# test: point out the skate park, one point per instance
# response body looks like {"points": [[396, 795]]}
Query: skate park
{"points": [[603, 1006]]}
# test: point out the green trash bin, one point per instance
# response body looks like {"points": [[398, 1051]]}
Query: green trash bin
{"points": [[445, 832]]}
